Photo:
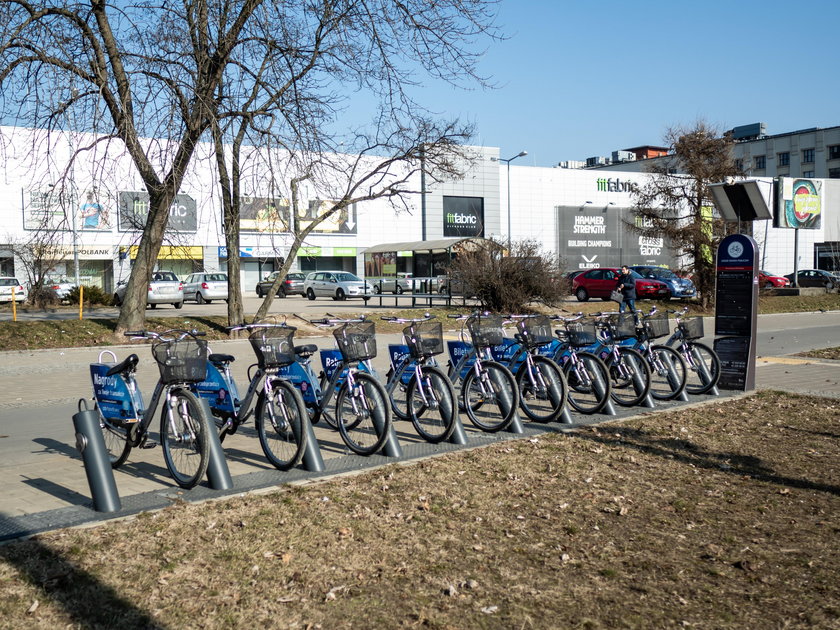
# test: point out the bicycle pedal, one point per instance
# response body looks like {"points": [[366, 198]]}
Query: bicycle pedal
{"points": [[149, 444]]}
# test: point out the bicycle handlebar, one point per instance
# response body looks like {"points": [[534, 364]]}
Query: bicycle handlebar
{"points": [[148, 334], [334, 321], [406, 320]]}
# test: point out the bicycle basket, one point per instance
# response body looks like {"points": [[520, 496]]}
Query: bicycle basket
{"points": [[356, 341], [273, 345], [692, 327], [426, 340], [182, 360], [582, 333], [657, 326], [486, 330], [622, 326], [536, 331]]}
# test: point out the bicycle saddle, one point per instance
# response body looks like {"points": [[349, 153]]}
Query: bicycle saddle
{"points": [[221, 358], [305, 351], [127, 365]]}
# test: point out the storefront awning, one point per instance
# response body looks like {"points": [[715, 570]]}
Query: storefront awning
{"points": [[437, 245]]}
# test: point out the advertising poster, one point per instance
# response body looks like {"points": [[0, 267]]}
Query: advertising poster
{"points": [[341, 222], [463, 216], [55, 211], [263, 214], [134, 209], [799, 203]]}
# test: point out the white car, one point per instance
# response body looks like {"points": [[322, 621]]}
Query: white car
{"points": [[398, 285], [62, 288], [206, 287], [339, 285], [165, 288], [9, 285]]}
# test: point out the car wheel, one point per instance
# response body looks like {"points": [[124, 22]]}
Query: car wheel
{"points": [[281, 292], [117, 300], [377, 289], [339, 294], [178, 305], [769, 285], [259, 292], [581, 295], [153, 306], [199, 299], [365, 299], [310, 294], [399, 290]]}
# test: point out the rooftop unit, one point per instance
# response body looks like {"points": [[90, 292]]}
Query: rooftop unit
{"points": [[749, 132], [597, 161], [623, 156]]}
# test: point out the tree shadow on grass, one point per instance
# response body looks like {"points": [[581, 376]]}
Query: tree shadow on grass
{"points": [[85, 599], [688, 452]]}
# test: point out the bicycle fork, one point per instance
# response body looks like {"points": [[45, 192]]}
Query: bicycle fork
{"points": [[187, 433]]}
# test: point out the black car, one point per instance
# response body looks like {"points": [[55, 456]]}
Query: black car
{"points": [[814, 278], [292, 284]]}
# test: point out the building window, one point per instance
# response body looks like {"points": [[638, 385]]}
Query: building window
{"points": [[739, 164], [784, 159], [834, 152], [807, 173], [807, 156], [834, 173], [760, 162]]}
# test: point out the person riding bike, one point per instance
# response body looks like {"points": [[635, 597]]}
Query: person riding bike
{"points": [[627, 285]]}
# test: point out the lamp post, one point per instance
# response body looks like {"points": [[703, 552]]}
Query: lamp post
{"points": [[508, 161]]}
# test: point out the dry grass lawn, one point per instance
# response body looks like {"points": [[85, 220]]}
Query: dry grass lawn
{"points": [[716, 516]]}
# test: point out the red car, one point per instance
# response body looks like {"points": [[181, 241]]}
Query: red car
{"points": [[599, 283], [768, 280]]}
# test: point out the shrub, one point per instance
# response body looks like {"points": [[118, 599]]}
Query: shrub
{"points": [[92, 295]]}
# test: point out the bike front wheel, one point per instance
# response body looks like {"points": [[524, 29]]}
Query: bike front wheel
{"points": [[490, 397], [543, 391], [399, 395], [431, 404], [363, 414], [667, 372], [703, 367], [280, 425], [589, 383], [629, 377], [116, 436], [185, 437]]}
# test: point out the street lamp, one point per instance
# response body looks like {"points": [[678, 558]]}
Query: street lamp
{"points": [[508, 161]]}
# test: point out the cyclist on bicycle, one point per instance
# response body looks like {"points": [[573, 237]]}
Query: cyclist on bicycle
{"points": [[627, 285]]}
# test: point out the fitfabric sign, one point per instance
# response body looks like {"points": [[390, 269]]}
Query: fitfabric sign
{"points": [[608, 184], [597, 237], [463, 216], [799, 203], [134, 210]]}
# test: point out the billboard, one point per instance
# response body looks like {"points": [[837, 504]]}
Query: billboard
{"points": [[463, 216], [54, 210], [342, 222], [134, 209], [799, 203], [263, 214]]}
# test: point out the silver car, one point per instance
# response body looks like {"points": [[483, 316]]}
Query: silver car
{"points": [[398, 285], [339, 285], [205, 287], [164, 288]]}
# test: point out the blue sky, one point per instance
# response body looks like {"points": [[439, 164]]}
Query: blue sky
{"points": [[580, 79]]}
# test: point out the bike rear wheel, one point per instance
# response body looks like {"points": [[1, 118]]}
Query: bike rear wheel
{"points": [[363, 414], [703, 367], [117, 444], [490, 399], [432, 405], [589, 383], [668, 373], [542, 394], [629, 377], [185, 439], [279, 424]]}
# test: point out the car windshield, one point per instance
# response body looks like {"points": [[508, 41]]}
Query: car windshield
{"points": [[664, 273], [8, 282], [216, 277], [295, 276], [164, 276], [634, 274], [347, 277]]}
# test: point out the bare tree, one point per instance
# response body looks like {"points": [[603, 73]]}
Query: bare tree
{"points": [[675, 202]]}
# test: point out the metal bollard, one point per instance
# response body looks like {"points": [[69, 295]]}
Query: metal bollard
{"points": [[312, 460], [98, 469], [218, 473]]}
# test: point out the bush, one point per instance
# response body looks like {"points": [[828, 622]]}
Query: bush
{"points": [[43, 297], [92, 295], [507, 284]]}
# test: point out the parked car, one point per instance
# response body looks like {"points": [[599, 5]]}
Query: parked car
{"points": [[61, 287], [339, 285], [769, 280], [399, 284], [8, 283], [292, 284], [164, 288], [815, 278], [205, 287], [599, 283], [679, 287]]}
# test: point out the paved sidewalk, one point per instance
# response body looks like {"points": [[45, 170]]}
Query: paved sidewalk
{"points": [[45, 486]]}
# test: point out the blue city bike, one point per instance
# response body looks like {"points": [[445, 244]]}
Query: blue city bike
{"points": [[418, 389], [278, 408], [362, 413], [668, 372], [542, 387], [125, 419], [489, 395], [703, 363]]}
